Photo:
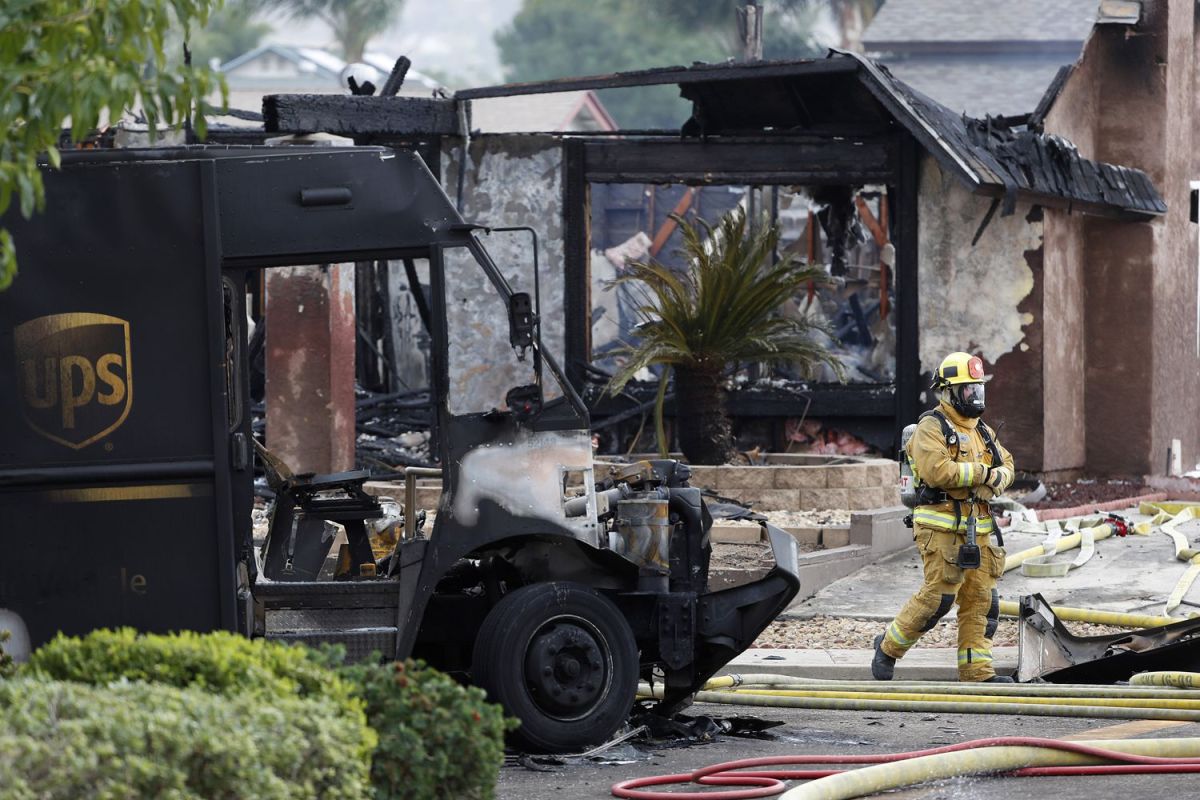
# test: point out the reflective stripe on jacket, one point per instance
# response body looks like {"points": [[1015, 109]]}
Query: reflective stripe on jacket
{"points": [[959, 471]]}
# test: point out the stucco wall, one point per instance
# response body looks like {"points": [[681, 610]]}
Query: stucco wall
{"points": [[985, 299], [1177, 367], [1130, 102], [1067, 273], [970, 294], [512, 180]]}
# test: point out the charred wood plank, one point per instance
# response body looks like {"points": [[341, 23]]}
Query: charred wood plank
{"points": [[739, 71], [814, 401], [351, 115], [850, 161]]}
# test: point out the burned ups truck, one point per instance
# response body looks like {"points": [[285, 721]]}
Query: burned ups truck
{"points": [[127, 457]]}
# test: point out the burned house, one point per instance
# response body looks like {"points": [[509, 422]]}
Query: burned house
{"points": [[1023, 239]]}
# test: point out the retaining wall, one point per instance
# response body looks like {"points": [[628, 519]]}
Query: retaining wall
{"points": [[865, 484]]}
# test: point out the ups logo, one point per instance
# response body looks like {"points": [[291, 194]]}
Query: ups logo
{"points": [[75, 376]]}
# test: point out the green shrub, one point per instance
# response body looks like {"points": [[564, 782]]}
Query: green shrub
{"points": [[221, 662], [437, 739], [7, 667], [137, 740]]}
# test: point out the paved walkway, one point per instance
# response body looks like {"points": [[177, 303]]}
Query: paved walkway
{"points": [[1134, 574], [921, 664]]}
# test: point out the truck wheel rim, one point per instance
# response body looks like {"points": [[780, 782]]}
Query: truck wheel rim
{"points": [[568, 667]]}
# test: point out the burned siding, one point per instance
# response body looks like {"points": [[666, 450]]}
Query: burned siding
{"points": [[970, 294], [512, 180]]}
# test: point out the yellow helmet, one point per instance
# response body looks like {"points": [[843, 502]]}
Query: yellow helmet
{"points": [[961, 376], [959, 368]]}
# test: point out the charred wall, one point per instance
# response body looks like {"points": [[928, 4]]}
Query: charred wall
{"points": [[985, 298], [514, 179]]}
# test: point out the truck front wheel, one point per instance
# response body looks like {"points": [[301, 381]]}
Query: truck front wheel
{"points": [[560, 658]]}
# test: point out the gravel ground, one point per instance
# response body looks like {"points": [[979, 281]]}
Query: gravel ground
{"points": [[820, 518], [1085, 491], [843, 633]]}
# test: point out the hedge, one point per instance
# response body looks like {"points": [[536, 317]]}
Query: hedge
{"points": [[221, 662], [428, 737], [437, 739], [128, 740], [7, 667]]}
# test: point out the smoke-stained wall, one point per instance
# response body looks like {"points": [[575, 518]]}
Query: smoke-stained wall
{"points": [[984, 298], [511, 180]]}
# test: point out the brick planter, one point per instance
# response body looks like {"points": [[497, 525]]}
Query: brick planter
{"points": [[856, 485], [786, 483]]}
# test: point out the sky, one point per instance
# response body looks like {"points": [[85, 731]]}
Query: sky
{"points": [[448, 39]]}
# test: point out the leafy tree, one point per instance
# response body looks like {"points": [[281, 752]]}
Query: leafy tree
{"points": [[231, 31], [354, 22], [720, 313], [79, 62], [556, 38]]}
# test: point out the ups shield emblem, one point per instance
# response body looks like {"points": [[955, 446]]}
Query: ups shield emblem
{"points": [[74, 376]]}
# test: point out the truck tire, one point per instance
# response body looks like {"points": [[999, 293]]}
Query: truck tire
{"points": [[563, 660]]}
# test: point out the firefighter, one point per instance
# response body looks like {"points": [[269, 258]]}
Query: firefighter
{"points": [[958, 465]]}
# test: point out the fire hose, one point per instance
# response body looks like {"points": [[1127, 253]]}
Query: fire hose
{"points": [[1048, 700], [1017, 756], [1151, 696], [1167, 517]]}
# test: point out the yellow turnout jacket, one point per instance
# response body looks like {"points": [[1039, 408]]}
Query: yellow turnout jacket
{"points": [[959, 470]]}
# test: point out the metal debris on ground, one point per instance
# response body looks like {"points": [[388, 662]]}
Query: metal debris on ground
{"points": [[393, 431]]}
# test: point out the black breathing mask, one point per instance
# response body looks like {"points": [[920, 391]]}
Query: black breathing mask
{"points": [[968, 399]]}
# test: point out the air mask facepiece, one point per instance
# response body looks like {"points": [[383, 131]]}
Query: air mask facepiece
{"points": [[968, 399]]}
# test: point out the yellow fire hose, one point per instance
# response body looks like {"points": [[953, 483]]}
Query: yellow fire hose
{"points": [[1010, 608], [1098, 531], [1147, 689], [1185, 680], [1063, 705], [1035, 561], [1190, 704], [1146, 699], [883, 777], [1153, 696], [1183, 551]]}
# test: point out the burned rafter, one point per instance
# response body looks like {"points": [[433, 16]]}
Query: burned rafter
{"points": [[350, 115]]}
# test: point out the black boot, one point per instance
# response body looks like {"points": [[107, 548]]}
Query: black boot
{"points": [[883, 666], [999, 679]]}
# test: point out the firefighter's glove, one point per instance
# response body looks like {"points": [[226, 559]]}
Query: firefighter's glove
{"points": [[999, 478]]}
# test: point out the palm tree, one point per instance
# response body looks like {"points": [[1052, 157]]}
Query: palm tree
{"points": [[723, 311]]}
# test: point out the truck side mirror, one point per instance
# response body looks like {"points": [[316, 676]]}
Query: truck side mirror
{"points": [[520, 323]]}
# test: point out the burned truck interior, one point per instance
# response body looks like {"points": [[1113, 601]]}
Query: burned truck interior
{"points": [[129, 455]]}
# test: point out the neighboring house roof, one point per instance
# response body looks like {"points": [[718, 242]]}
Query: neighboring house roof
{"points": [[276, 66], [982, 21], [980, 56], [542, 113], [848, 90]]}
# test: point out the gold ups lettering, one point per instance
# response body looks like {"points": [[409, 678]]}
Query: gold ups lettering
{"points": [[75, 376]]}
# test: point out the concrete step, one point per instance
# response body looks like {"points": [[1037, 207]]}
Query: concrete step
{"points": [[820, 568]]}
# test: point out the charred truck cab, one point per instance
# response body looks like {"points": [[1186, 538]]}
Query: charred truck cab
{"points": [[127, 457]]}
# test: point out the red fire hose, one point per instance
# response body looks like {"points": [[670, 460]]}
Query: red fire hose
{"points": [[768, 783]]}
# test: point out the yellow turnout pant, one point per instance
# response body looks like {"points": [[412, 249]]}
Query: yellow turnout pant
{"points": [[945, 584]]}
